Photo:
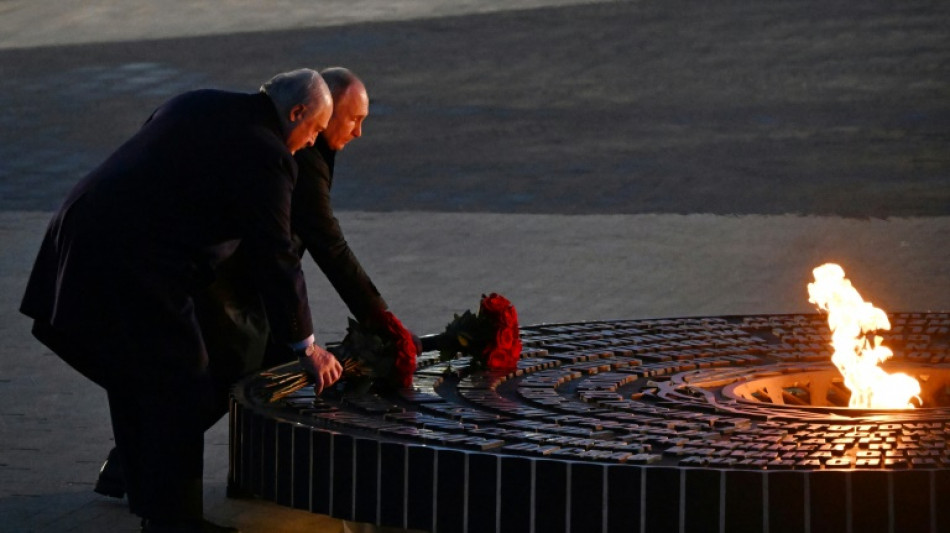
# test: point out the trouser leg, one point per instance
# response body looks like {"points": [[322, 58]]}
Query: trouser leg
{"points": [[212, 408], [160, 441], [159, 431], [125, 421]]}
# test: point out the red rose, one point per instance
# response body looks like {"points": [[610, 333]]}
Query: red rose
{"points": [[405, 349], [494, 305], [503, 356], [504, 349], [505, 338], [510, 317]]}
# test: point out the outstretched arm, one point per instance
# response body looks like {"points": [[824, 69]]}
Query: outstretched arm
{"points": [[317, 229]]}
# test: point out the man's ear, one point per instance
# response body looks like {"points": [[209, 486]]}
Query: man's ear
{"points": [[297, 113]]}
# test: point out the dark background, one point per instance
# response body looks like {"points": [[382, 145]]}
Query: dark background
{"points": [[804, 107]]}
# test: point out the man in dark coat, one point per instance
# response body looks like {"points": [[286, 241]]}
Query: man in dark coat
{"points": [[112, 288], [315, 228], [230, 312]]}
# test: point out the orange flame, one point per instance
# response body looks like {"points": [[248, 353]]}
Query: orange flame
{"points": [[857, 354]]}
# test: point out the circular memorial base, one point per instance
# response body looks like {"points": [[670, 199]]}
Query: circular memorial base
{"points": [[727, 424]]}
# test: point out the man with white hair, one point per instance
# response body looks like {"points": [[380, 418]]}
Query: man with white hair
{"points": [[112, 288]]}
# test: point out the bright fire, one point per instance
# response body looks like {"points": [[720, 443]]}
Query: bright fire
{"points": [[857, 354]]}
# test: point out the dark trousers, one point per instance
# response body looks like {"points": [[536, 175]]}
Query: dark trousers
{"points": [[158, 424]]}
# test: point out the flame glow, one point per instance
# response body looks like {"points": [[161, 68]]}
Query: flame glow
{"points": [[856, 354]]}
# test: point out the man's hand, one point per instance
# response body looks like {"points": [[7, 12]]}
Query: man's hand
{"points": [[320, 364]]}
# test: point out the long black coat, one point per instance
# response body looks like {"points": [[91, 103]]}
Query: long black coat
{"points": [[142, 233]]}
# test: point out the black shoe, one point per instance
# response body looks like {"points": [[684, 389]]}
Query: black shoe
{"points": [[111, 481], [204, 526]]}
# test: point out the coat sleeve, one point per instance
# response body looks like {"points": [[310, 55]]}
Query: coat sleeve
{"points": [[317, 229], [277, 270]]}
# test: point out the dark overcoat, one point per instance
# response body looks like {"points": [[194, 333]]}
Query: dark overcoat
{"points": [[317, 230], [142, 233]]}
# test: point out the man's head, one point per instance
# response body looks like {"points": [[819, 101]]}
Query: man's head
{"points": [[350, 107], [303, 103]]}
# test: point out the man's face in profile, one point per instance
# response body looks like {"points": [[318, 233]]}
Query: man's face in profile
{"points": [[306, 123], [349, 111]]}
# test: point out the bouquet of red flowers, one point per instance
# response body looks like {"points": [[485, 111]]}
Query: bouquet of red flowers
{"points": [[380, 352], [491, 337]]}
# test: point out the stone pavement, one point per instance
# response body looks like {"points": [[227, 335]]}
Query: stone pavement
{"points": [[589, 160]]}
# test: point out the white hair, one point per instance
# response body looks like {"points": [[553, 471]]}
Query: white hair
{"points": [[301, 86]]}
